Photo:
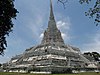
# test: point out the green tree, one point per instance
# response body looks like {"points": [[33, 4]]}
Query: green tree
{"points": [[92, 12], [7, 12], [0, 64], [94, 55]]}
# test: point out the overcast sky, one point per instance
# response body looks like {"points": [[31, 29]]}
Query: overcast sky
{"points": [[77, 29]]}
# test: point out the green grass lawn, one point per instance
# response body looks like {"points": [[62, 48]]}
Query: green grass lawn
{"points": [[7, 73]]}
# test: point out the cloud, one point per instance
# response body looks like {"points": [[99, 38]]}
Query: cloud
{"points": [[41, 35], [35, 27], [64, 26], [94, 44]]}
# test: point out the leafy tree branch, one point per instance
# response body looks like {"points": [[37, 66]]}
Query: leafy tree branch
{"points": [[93, 12], [7, 12]]}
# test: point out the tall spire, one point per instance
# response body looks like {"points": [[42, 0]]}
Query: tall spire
{"points": [[51, 11], [52, 23], [52, 34]]}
